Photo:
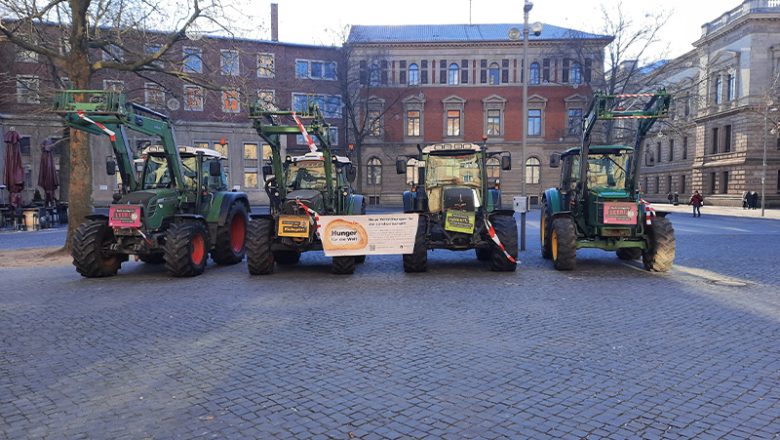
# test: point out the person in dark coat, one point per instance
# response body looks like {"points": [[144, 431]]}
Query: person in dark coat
{"points": [[753, 200], [696, 201], [745, 197]]}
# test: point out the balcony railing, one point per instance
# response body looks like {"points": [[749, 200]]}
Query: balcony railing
{"points": [[747, 7]]}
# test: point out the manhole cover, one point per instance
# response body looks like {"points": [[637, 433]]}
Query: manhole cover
{"points": [[729, 283]]}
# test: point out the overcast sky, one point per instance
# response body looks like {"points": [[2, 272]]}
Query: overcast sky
{"points": [[316, 21]]}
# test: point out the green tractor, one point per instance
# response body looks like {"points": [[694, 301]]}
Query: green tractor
{"points": [[597, 204], [299, 188], [173, 208], [458, 210]]}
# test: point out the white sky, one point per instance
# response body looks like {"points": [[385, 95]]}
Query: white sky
{"points": [[317, 21]]}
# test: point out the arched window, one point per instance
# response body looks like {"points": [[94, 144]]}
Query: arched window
{"points": [[452, 74], [576, 73], [533, 168], [493, 168], [374, 171], [494, 74], [414, 74], [534, 74], [411, 171]]}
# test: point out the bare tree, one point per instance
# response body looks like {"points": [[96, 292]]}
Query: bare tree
{"points": [[79, 39]]}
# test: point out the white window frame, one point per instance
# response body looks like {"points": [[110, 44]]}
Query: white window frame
{"points": [[197, 53], [226, 97], [263, 94], [188, 107], [265, 69], [28, 89], [223, 65], [150, 90]]}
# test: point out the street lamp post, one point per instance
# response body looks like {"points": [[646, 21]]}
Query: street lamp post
{"points": [[526, 9], [763, 158]]}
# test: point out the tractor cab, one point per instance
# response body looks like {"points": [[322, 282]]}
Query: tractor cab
{"points": [[607, 172], [156, 172], [453, 177]]}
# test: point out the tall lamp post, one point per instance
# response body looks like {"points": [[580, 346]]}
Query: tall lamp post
{"points": [[768, 103]]}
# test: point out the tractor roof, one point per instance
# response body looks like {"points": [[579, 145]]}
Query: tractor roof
{"points": [[599, 149], [445, 148], [317, 155], [183, 150]]}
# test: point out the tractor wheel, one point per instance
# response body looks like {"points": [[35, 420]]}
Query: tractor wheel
{"points": [[417, 261], [152, 258], [659, 256], [259, 258], [287, 258], [90, 256], [360, 259], [230, 246], [506, 231], [629, 254], [186, 249], [545, 229], [563, 243], [483, 254], [343, 265]]}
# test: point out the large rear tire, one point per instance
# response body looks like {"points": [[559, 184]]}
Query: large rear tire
{"points": [[343, 265], [417, 261], [506, 231], [483, 254], [90, 256], [230, 246], [545, 229], [659, 255], [563, 243], [186, 249], [629, 254], [259, 258], [287, 258]]}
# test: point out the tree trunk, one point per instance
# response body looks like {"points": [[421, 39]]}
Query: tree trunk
{"points": [[80, 191]]}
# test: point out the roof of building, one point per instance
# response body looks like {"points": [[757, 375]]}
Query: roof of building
{"points": [[458, 33]]}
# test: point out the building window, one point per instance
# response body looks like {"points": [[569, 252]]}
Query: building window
{"points": [[151, 50], [319, 69], [464, 71], [424, 72], [657, 184], [402, 72], [731, 87], [374, 171], [222, 148], [658, 151], [533, 167], [453, 123], [154, 96], [546, 70], [229, 62], [250, 151], [682, 184], [333, 135], [442, 71], [504, 71], [494, 74], [193, 98], [250, 178], [715, 133], [412, 172], [374, 74], [193, 60], [493, 122], [671, 150], [493, 168], [576, 73], [265, 65], [669, 183], [724, 189], [713, 179], [534, 73], [727, 138], [374, 123], [413, 123], [266, 99], [330, 105], [574, 124], [414, 74], [685, 148], [27, 88], [534, 122], [26, 56], [113, 85], [231, 102], [452, 74], [718, 89]]}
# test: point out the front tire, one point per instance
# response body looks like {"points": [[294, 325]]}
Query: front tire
{"points": [[343, 265], [259, 258], [659, 255], [506, 231], [483, 254], [545, 229], [186, 249], [563, 243], [230, 246], [417, 261], [90, 256]]}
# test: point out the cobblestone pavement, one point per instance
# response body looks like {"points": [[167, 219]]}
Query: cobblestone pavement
{"points": [[606, 351]]}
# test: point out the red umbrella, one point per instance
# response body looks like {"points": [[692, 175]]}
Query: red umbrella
{"points": [[47, 175], [13, 175]]}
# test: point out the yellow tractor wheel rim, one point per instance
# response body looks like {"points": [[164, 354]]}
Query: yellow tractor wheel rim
{"points": [[542, 228], [554, 244]]}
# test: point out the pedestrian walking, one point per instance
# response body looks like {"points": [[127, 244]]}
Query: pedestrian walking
{"points": [[670, 197], [697, 200], [745, 196], [753, 200]]}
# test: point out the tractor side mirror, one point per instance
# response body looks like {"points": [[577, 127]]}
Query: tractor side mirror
{"points": [[400, 166], [110, 166], [506, 163], [215, 168], [555, 160], [267, 170], [351, 174]]}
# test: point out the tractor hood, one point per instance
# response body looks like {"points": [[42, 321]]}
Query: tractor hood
{"points": [[310, 197]]}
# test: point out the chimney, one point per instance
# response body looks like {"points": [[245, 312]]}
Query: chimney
{"points": [[274, 22]]}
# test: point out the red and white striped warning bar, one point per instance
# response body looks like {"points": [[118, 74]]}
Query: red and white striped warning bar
{"points": [[494, 237], [649, 211], [309, 140], [313, 215], [111, 134]]}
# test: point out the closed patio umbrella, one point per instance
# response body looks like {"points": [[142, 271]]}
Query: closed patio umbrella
{"points": [[13, 175], [47, 174]]}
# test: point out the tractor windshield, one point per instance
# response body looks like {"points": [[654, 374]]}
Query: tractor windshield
{"points": [[453, 170], [608, 170], [156, 173], [306, 174]]}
